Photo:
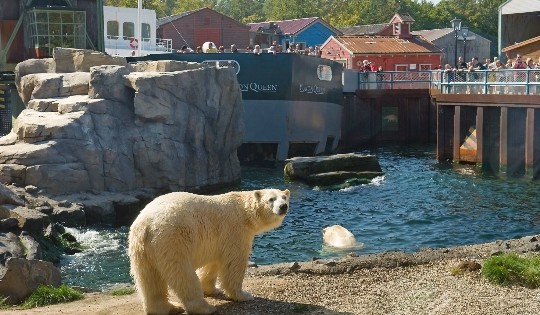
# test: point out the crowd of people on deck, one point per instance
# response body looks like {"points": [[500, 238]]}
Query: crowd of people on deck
{"points": [[465, 72], [496, 64], [275, 48]]}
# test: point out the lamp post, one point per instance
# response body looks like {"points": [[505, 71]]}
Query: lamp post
{"points": [[456, 25], [464, 33]]}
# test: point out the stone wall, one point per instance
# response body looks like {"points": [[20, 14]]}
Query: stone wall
{"points": [[164, 125]]}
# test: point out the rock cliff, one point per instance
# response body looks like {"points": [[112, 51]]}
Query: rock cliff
{"points": [[95, 123]]}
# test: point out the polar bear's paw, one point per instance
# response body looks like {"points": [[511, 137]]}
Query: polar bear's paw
{"points": [[201, 307], [212, 291], [241, 296]]}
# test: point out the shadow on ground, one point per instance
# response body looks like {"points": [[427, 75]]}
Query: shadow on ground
{"points": [[262, 306]]}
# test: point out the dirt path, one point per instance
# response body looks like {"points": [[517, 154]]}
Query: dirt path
{"points": [[392, 283]]}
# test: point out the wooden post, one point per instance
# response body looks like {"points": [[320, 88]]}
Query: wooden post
{"points": [[457, 134], [479, 134], [529, 142], [503, 144]]}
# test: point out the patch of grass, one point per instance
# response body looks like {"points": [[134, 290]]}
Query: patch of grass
{"points": [[300, 308], [47, 295], [3, 303], [510, 269], [122, 291]]}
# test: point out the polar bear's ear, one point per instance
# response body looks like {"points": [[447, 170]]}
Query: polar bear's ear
{"points": [[257, 194], [288, 193]]}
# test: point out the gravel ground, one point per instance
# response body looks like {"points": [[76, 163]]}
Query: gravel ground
{"points": [[390, 283]]}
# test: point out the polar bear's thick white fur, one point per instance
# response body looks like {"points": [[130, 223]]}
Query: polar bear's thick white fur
{"points": [[338, 236], [185, 242]]}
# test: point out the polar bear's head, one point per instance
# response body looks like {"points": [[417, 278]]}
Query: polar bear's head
{"points": [[271, 207]]}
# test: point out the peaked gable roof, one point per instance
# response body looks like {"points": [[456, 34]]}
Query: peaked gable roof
{"points": [[386, 45], [172, 18], [377, 29], [291, 27], [401, 17]]}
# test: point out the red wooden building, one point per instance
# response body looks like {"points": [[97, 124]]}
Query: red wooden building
{"points": [[193, 28], [393, 47]]}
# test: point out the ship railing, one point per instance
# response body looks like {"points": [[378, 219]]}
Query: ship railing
{"points": [[130, 43], [507, 81]]}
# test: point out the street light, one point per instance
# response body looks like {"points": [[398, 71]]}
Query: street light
{"points": [[456, 25], [464, 33]]}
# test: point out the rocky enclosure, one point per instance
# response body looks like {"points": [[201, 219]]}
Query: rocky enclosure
{"points": [[95, 123]]}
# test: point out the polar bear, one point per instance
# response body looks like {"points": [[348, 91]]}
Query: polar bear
{"points": [[338, 236], [185, 242]]}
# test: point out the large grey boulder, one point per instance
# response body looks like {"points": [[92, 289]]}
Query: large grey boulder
{"points": [[7, 196], [81, 60], [350, 169], [48, 85], [117, 129], [10, 247], [20, 277]]}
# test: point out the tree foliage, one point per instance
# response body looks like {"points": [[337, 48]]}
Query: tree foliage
{"points": [[479, 15]]}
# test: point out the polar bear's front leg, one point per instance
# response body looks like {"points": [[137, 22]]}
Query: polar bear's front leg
{"points": [[232, 274]]}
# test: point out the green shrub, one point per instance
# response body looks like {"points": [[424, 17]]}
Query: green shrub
{"points": [[510, 269], [47, 295], [122, 291]]}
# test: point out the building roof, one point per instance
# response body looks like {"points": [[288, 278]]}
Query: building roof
{"points": [[521, 44], [374, 29], [402, 17], [171, 18], [385, 45], [370, 29], [290, 27], [435, 34], [519, 6]]}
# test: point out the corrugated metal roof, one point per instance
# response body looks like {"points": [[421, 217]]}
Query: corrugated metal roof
{"points": [[521, 44], [435, 34], [370, 29], [288, 27], [520, 6], [386, 45]]}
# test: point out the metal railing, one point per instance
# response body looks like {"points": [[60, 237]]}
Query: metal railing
{"points": [[147, 44], [507, 81]]}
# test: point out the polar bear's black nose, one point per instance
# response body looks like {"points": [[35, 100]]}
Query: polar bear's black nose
{"points": [[283, 208]]}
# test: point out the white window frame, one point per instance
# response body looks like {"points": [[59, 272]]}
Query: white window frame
{"points": [[402, 67]]}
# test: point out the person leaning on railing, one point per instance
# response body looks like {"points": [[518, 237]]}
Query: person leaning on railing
{"points": [[476, 66], [500, 77], [518, 75]]}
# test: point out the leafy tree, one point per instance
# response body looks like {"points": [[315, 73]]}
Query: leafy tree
{"points": [[240, 9]]}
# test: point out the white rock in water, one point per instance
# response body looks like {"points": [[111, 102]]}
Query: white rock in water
{"points": [[338, 236]]}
